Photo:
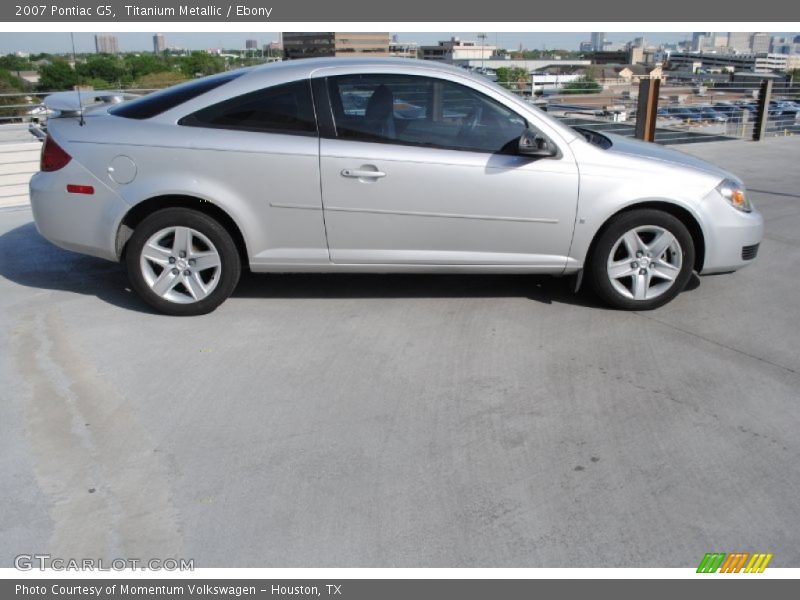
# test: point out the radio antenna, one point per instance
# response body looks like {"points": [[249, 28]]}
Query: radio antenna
{"points": [[81, 122]]}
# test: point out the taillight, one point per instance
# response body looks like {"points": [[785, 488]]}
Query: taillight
{"points": [[53, 156]]}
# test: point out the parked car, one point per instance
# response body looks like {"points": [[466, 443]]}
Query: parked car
{"points": [[278, 169], [683, 113], [732, 113], [783, 105], [713, 116]]}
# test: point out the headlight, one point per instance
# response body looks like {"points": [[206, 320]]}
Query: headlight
{"points": [[735, 195]]}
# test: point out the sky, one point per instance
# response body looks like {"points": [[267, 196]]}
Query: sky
{"points": [[58, 42]]}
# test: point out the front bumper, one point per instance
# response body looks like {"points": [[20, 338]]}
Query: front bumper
{"points": [[731, 236], [79, 222]]}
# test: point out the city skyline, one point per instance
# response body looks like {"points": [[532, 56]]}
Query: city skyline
{"points": [[59, 43]]}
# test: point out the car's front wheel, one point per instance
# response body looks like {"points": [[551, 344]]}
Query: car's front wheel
{"points": [[642, 260], [182, 262]]}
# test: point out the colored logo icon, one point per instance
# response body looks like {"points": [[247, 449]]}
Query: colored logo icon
{"points": [[719, 562]]}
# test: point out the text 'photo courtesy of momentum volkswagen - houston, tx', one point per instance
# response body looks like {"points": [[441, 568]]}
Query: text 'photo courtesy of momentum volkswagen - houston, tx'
{"points": [[375, 165]]}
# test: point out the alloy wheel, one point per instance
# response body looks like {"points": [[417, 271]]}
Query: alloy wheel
{"points": [[180, 264], [644, 262]]}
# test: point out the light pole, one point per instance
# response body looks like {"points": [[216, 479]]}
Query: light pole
{"points": [[482, 38]]}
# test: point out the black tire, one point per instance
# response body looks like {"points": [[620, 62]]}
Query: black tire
{"points": [[619, 226], [224, 279]]}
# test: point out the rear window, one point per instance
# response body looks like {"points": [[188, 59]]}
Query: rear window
{"points": [[285, 108], [163, 100]]}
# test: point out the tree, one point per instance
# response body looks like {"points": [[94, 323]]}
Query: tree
{"points": [[104, 67], [201, 63], [44, 56], [144, 64], [57, 76], [584, 85], [11, 84], [159, 80], [513, 78], [11, 62]]}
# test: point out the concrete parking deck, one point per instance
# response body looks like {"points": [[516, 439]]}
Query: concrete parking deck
{"points": [[446, 421]]}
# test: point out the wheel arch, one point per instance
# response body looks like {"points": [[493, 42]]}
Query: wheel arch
{"points": [[143, 209], [677, 211]]}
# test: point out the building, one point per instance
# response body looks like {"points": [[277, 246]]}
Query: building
{"points": [[635, 73], [553, 65], [720, 40], [740, 41], [273, 51], [308, 44], [251, 44], [765, 62], [31, 77], [400, 49], [598, 39], [455, 50], [760, 43], [701, 41], [159, 43], [636, 55], [654, 56], [374, 44], [617, 57], [330, 43], [782, 45], [626, 74], [105, 43], [551, 79]]}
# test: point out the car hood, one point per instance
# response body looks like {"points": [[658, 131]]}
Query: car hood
{"points": [[657, 152]]}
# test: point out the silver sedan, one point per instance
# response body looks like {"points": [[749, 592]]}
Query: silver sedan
{"points": [[374, 165]]}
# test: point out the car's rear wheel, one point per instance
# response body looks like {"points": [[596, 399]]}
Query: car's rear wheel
{"points": [[642, 260], [182, 262]]}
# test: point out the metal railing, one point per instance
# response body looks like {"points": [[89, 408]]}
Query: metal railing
{"points": [[666, 113], [23, 120], [683, 113], [23, 108]]}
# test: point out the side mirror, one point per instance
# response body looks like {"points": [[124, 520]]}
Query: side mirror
{"points": [[532, 143]]}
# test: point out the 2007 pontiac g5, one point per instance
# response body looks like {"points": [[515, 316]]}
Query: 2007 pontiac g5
{"points": [[376, 165]]}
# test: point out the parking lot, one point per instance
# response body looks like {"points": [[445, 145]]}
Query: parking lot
{"points": [[406, 420]]}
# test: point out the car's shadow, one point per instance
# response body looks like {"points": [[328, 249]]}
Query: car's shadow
{"points": [[29, 260]]}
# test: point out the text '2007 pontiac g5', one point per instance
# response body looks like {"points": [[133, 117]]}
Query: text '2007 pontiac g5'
{"points": [[375, 165]]}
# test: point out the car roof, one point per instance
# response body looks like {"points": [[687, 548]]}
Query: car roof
{"points": [[306, 66]]}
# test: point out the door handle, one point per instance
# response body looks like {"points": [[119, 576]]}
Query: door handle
{"points": [[363, 173]]}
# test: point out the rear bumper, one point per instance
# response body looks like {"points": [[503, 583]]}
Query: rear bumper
{"points": [[80, 222], [731, 237]]}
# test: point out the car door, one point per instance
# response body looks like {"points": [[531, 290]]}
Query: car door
{"points": [[257, 155], [424, 170]]}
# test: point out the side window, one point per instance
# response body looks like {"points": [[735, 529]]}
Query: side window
{"points": [[285, 108], [422, 111]]}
